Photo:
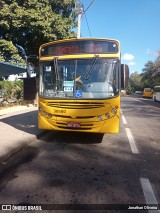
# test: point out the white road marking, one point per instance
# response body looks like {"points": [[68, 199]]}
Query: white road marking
{"points": [[148, 193], [145, 183], [124, 119], [131, 141]]}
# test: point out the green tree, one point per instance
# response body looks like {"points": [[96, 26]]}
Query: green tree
{"points": [[12, 89], [18, 89], [134, 83], [8, 52], [7, 90], [29, 23], [151, 73], [156, 74], [147, 75]]}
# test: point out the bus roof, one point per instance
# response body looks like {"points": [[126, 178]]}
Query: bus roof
{"points": [[78, 39], [147, 88]]}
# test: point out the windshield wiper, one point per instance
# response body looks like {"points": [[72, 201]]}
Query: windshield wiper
{"points": [[88, 71]]}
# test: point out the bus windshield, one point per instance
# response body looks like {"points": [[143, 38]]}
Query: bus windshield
{"points": [[147, 90], [95, 78]]}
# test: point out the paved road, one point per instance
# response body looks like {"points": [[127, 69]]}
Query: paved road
{"points": [[148, 101], [78, 168]]}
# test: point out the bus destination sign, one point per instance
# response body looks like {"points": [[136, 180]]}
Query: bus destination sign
{"points": [[80, 47]]}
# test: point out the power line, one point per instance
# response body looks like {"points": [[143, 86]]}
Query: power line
{"points": [[84, 13], [88, 25], [88, 6]]}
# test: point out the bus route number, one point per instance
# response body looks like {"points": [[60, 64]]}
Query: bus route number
{"points": [[59, 111]]}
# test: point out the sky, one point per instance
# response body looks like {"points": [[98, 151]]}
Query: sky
{"points": [[135, 23]]}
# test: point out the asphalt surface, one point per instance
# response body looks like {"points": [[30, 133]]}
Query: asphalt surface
{"points": [[18, 128]]}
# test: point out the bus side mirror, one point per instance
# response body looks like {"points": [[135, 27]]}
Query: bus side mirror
{"points": [[32, 65], [124, 76]]}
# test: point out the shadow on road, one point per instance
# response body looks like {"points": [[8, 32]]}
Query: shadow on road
{"points": [[26, 122], [72, 137]]}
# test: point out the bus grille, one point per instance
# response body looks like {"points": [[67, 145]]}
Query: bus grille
{"points": [[76, 105], [79, 117]]}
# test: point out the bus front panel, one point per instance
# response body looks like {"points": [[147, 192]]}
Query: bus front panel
{"points": [[94, 116]]}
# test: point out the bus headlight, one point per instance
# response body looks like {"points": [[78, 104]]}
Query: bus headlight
{"points": [[107, 115], [49, 115], [114, 111], [100, 117], [44, 113]]}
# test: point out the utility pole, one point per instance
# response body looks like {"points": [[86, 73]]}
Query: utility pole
{"points": [[79, 10]]}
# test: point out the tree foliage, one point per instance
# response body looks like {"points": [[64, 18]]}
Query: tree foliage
{"points": [[151, 73], [29, 23], [149, 77], [147, 74], [134, 83], [8, 52], [12, 90]]}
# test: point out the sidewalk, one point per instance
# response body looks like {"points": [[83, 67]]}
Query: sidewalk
{"points": [[9, 110], [18, 128]]}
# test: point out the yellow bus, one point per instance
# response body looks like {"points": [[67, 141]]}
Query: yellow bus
{"points": [[147, 93], [79, 85]]}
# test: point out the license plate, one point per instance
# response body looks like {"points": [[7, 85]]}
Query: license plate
{"points": [[74, 125]]}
